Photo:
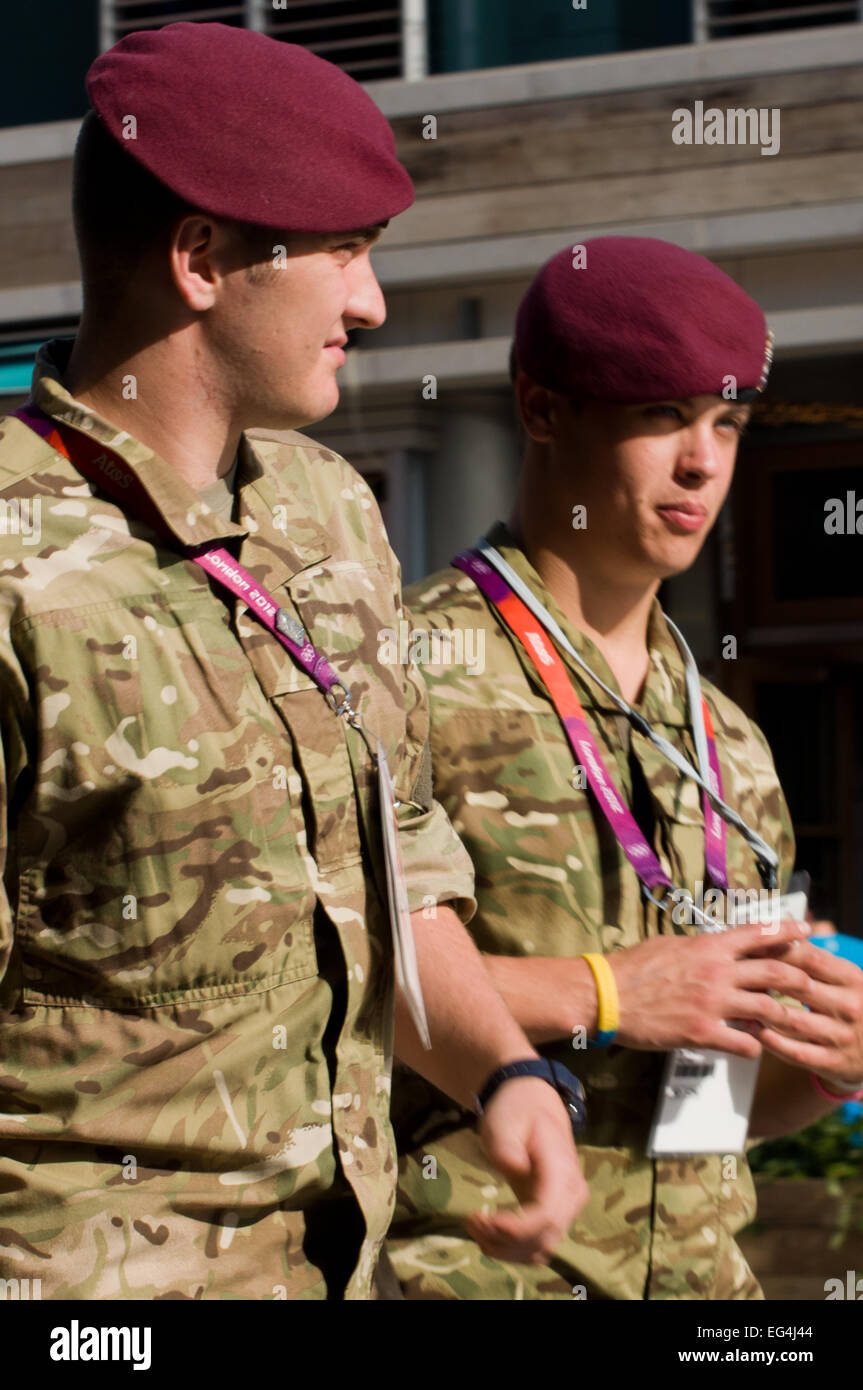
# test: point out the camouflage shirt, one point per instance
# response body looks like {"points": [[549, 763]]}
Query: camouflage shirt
{"points": [[553, 881], [195, 957]]}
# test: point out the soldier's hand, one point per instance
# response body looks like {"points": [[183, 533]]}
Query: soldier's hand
{"points": [[827, 1036], [526, 1133], [687, 991]]}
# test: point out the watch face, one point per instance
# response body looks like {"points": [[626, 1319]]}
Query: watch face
{"points": [[575, 1106]]}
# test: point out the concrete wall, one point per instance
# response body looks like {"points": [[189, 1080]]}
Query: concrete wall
{"points": [[527, 160]]}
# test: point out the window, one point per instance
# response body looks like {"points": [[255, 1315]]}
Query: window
{"points": [[47, 50], [121, 17], [730, 19], [469, 34], [364, 37]]}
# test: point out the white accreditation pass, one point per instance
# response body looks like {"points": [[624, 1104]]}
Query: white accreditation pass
{"points": [[706, 1096], [407, 973]]}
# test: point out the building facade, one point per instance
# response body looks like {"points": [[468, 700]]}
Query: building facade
{"points": [[513, 162]]}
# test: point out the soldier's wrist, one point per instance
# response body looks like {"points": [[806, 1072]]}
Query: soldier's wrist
{"points": [[833, 1089], [580, 1000]]}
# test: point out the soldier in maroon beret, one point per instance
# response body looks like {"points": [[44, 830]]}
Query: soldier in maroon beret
{"points": [[206, 773], [614, 805]]}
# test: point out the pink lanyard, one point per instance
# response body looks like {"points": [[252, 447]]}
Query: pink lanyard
{"points": [[108, 471], [554, 676]]}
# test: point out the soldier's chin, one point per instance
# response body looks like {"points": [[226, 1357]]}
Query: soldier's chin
{"points": [[315, 405], [669, 569], [326, 398]]}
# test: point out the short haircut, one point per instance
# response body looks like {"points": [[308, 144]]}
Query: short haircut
{"points": [[521, 433], [514, 370], [123, 213]]}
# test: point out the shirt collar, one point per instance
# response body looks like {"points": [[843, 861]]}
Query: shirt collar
{"points": [[664, 698], [184, 513], [219, 495]]}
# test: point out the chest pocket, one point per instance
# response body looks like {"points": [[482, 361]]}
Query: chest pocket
{"points": [[343, 606], [324, 780]]}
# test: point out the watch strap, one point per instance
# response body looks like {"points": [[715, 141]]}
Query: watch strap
{"points": [[568, 1086]]}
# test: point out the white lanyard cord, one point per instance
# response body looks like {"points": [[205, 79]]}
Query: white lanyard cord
{"points": [[693, 689]]}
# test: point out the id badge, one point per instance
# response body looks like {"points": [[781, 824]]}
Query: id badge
{"points": [[706, 1097], [407, 973]]}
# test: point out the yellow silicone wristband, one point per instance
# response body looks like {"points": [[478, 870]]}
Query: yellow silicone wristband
{"points": [[608, 1010]]}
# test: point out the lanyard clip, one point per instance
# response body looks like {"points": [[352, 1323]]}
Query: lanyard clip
{"points": [[661, 903], [355, 719], [343, 707], [352, 716], [769, 876]]}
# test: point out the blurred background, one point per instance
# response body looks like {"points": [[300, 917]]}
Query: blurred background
{"points": [[527, 127]]}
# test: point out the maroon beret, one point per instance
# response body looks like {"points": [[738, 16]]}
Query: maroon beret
{"points": [[636, 319], [247, 127]]}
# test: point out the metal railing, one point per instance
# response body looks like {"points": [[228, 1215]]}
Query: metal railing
{"points": [[722, 19], [370, 39], [374, 39]]}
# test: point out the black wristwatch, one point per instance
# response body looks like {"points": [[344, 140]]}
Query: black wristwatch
{"points": [[568, 1087]]}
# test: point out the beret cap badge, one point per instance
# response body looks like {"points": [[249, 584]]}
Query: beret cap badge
{"points": [[768, 360]]}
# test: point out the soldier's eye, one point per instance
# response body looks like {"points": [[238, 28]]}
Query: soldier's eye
{"points": [[735, 422]]}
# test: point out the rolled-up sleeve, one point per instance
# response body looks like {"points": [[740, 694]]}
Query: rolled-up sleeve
{"points": [[436, 863]]}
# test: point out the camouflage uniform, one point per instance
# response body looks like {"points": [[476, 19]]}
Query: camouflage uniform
{"points": [[552, 881], [195, 958]]}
